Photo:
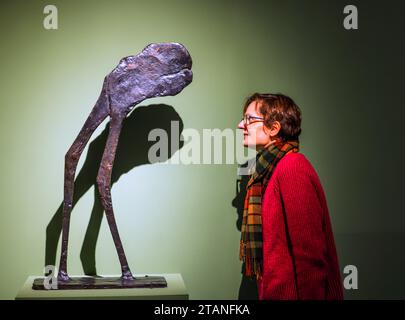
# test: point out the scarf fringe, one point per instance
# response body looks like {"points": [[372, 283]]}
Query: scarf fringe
{"points": [[253, 267]]}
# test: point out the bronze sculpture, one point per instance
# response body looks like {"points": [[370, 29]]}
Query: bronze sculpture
{"points": [[161, 69]]}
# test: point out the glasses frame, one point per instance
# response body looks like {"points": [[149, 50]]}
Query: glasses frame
{"points": [[247, 119]]}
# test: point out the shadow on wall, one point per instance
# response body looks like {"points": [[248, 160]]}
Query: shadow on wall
{"points": [[248, 286], [132, 151]]}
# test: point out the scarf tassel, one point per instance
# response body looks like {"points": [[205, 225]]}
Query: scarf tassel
{"points": [[253, 267]]}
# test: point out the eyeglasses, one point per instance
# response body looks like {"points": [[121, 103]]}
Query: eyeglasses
{"points": [[247, 119]]}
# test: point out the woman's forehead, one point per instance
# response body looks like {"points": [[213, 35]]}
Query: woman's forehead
{"points": [[253, 108]]}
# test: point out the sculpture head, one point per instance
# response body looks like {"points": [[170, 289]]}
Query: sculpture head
{"points": [[161, 69]]}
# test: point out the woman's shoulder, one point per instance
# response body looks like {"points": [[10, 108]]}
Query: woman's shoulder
{"points": [[295, 164], [294, 159], [294, 175]]}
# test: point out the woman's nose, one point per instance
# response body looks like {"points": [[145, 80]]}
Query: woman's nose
{"points": [[241, 125]]}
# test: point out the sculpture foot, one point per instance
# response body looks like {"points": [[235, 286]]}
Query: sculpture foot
{"points": [[63, 276], [127, 275]]}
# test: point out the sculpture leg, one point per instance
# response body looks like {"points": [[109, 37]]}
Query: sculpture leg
{"points": [[96, 117], [88, 252], [104, 187]]}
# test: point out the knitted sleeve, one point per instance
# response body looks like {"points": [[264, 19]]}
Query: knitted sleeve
{"points": [[303, 222], [295, 250]]}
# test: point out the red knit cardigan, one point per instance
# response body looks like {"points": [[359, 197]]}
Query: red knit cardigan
{"points": [[299, 253]]}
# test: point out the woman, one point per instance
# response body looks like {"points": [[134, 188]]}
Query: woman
{"points": [[287, 240]]}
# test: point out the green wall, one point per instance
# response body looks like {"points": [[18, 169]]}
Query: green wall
{"points": [[180, 218]]}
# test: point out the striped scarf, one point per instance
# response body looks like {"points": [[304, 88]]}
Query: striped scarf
{"points": [[251, 231]]}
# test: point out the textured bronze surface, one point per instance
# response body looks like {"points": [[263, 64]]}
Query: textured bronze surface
{"points": [[161, 69], [104, 283]]}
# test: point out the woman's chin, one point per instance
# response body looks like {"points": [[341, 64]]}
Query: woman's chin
{"points": [[248, 144]]}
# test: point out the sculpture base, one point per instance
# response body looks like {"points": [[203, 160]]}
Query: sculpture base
{"points": [[175, 290], [104, 283]]}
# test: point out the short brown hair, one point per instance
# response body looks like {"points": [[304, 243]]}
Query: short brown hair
{"points": [[278, 107]]}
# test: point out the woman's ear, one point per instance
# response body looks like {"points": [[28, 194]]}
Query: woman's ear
{"points": [[274, 130]]}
